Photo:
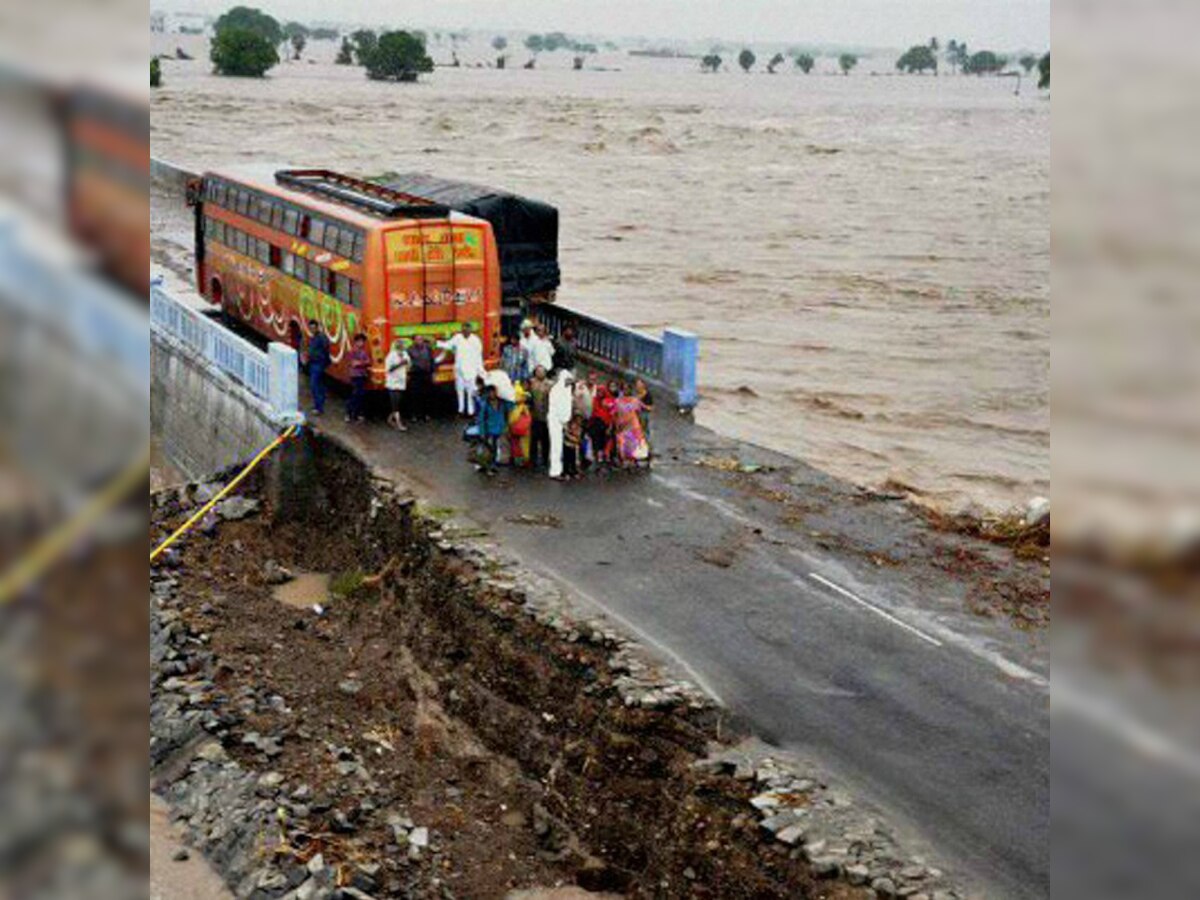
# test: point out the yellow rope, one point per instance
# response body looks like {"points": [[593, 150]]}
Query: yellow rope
{"points": [[26, 569], [186, 526]]}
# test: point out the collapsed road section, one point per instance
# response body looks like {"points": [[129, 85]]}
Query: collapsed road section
{"points": [[345, 699]]}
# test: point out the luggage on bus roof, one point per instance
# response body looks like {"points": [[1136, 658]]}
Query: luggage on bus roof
{"points": [[526, 230]]}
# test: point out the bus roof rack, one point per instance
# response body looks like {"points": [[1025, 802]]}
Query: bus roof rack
{"points": [[364, 195]]}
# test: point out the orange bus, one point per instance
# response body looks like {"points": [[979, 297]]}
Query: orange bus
{"points": [[107, 180], [274, 252]]}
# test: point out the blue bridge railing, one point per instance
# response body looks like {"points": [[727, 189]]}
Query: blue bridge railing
{"points": [[668, 363], [271, 375]]}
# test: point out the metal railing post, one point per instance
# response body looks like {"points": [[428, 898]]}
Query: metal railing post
{"points": [[284, 387], [680, 350]]}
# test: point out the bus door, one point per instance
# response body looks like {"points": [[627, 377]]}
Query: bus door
{"points": [[437, 271]]}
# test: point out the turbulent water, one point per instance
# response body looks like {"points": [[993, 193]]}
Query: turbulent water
{"points": [[865, 259]]}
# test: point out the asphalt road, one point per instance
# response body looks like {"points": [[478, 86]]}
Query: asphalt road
{"points": [[934, 716]]}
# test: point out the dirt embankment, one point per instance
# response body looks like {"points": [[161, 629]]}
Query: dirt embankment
{"points": [[422, 734]]}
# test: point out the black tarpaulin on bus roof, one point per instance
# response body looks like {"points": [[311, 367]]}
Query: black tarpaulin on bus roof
{"points": [[526, 230]]}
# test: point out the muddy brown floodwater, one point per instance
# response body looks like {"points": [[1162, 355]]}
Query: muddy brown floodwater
{"points": [[865, 259]]}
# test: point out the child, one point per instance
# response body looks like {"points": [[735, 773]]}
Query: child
{"points": [[492, 420], [572, 439]]}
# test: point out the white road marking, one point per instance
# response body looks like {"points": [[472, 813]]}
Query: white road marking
{"points": [[1093, 707], [875, 609]]}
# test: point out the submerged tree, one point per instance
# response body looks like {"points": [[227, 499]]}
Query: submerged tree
{"points": [[1044, 72], [746, 59], [236, 51], [246, 18], [345, 55], [398, 56], [985, 62], [775, 62], [499, 43], [805, 63], [298, 42], [364, 41], [710, 63], [1028, 61], [847, 61], [155, 73], [917, 59]]}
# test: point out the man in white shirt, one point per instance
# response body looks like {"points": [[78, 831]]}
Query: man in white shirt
{"points": [[541, 351], [468, 365]]}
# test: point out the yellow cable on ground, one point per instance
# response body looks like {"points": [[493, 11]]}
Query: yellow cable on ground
{"points": [[26, 569], [186, 526]]}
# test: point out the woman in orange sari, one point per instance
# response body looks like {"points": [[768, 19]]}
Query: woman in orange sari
{"points": [[627, 424], [520, 423]]}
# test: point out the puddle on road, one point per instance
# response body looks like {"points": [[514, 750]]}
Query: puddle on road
{"points": [[304, 590]]}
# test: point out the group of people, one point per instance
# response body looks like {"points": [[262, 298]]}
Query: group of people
{"points": [[408, 376], [531, 412], [535, 413]]}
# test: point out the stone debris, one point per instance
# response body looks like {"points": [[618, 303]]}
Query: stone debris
{"points": [[227, 809], [275, 574], [233, 509], [837, 837]]}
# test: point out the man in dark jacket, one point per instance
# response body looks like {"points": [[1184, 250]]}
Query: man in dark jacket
{"points": [[318, 361], [420, 376], [566, 352]]}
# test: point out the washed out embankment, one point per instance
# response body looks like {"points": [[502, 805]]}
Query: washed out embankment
{"points": [[430, 730]]}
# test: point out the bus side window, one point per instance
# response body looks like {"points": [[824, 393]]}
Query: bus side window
{"points": [[264, 252], [346, 243], [355, 294], [316, 276], [289, 264], [305, 226], [316, 232], [290, 220], [358, 247], [342, 288], [276, 256], [277, 217], [331, 237], [264, 211], [327, 282], [300, 268], [252, 207], [243, 202]]}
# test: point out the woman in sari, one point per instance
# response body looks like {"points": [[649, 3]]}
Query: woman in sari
{"points": [[627, 424], [520, 423]]}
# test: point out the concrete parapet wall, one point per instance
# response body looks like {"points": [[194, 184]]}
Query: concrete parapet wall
{"points": [[202, 419]]}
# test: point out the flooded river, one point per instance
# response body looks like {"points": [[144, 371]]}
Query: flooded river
{"points": [[865, 259]]}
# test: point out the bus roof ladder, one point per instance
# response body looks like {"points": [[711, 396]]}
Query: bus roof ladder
{"points": [[361, 194]]}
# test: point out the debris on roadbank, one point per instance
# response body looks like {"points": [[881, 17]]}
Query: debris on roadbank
{"points": [[452, 728]]}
